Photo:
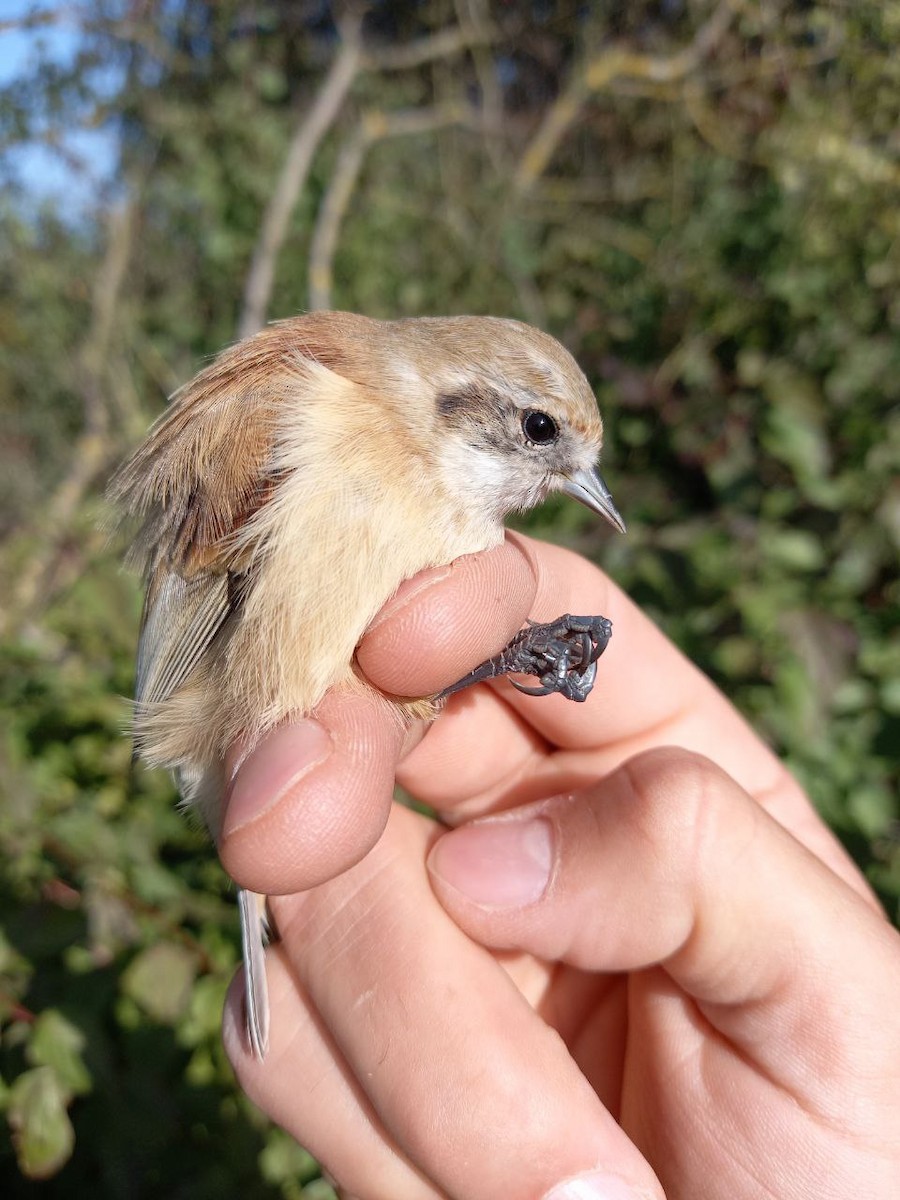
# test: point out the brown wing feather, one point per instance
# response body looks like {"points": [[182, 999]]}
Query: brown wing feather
{"points": [[201, 472], [200, 475]]}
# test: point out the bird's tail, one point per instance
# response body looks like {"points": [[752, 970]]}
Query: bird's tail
{"points": [[254, 934], [202, 787]]}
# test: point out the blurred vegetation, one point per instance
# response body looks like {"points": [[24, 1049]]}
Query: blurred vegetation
{"points": [[700, 200]]}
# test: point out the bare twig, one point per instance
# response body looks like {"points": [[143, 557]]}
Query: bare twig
{"points": [[474, 14], [37, 19], [306, 140], [350, 61], [622, 237], [374, 126], [443, 44], [92, 447], [599, 73], [715, 132], [331, 214]]}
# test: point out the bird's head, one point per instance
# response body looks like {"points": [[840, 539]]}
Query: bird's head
{"points": [[513, 414]]}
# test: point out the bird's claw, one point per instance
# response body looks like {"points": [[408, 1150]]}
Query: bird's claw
{"points": [[562, 655]]}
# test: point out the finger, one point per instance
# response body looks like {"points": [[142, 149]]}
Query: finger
{"points": [[670, 862], [446, 621], [313, 797], [645, 685], [647, 694], [480, 756], [468, 1083], [329, 1113]]}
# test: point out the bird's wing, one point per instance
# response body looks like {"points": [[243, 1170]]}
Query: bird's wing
{"points": [[204, 471], [181, 617]]}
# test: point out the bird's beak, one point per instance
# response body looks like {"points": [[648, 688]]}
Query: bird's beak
{"points": [[588, 488]]}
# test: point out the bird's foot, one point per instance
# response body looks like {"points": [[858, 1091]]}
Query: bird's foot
{"points": [[562, 656]]}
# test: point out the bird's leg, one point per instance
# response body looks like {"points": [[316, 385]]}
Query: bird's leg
{"points": [[562, 656]]}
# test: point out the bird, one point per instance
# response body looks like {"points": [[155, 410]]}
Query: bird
{"points": [[289, 489]]}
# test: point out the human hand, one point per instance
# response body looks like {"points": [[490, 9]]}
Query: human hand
{"points": [[721, 982]]}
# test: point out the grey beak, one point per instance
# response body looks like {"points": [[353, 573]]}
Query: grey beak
{"points": [[587, 487]]}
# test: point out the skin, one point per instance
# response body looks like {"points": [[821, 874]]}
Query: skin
{"points": [[640, 962]]}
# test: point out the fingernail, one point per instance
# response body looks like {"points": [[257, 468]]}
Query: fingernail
{"points": [[272, 769], [596, 1186], [498, 864]]}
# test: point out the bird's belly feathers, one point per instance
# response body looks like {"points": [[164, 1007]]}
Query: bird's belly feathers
{"points": [[320, 609], [296, 632]]}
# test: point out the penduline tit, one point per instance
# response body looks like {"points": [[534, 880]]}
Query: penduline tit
{"points": [[291, 487]]}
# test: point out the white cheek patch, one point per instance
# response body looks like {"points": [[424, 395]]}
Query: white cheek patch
{"points": [[479, 477]]}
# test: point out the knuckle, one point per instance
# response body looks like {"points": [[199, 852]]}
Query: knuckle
{"points": [[678, 797]]}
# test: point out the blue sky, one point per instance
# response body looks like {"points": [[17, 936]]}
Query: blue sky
{"points": [[43, 172]]}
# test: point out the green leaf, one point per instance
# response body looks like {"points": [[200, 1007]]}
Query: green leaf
{"points": [[890, 695], [319, 1189], [794, 548], [15, 971], [159, 981], [57, 1043], [41, 1130], [283, 1160], [872, 808], [795, 429]]}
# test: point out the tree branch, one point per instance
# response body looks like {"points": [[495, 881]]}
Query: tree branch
{"points": [[331, 214], [92, 447], [374, 126], [600, 73], [303, 146], [443, 44]]}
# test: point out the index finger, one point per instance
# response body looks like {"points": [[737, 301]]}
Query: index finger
{"points": [[647, 694], [646, 690]]}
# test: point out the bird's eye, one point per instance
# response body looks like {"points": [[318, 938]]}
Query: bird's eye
{"points": [[539, 427]]}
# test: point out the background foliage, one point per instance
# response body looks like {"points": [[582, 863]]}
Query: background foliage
{"points": [[701, 201]]}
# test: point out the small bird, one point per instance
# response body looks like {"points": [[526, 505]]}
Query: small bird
{"points": [[291, 487]]}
